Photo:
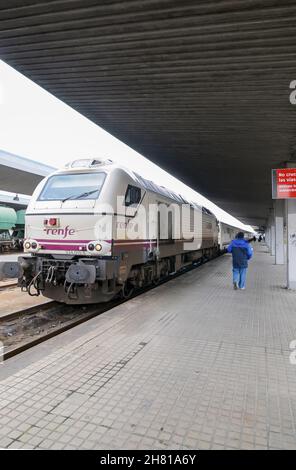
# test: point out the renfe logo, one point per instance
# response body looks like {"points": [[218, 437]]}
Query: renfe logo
{"points": [[64, 232]]}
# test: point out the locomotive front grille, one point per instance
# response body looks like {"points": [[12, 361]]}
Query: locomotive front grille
{"points": [[60, 266]]}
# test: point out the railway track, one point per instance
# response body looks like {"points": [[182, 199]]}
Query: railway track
{"points": [[22, 330], [27, 328]]}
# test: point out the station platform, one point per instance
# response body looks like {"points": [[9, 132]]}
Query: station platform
{"points": [[191, 364], [10, 256], [12, 299]]}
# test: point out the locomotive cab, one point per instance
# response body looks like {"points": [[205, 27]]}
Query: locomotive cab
{"points": [[68, 236]]}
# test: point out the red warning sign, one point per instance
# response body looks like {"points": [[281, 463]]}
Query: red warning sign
{"points": [[285, 183]]}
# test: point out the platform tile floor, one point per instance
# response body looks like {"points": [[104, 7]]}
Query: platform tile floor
{"points": [[192, 364]]}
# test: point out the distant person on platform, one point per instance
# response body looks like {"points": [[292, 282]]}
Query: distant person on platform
{"points": [[241, 252]]}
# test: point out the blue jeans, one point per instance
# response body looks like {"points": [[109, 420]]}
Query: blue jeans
{"points": [[239, 276]]}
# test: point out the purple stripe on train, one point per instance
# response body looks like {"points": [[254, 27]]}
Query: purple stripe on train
{"points": [[63, 247]]}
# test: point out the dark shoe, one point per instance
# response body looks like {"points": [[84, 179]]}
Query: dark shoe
{"points": [[235, 286]]}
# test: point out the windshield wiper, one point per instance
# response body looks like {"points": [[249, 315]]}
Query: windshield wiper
{"points": [[88, 193]]}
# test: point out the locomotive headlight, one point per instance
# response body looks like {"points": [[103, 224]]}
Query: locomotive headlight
{"points": [[98, 247], [31, 245]]}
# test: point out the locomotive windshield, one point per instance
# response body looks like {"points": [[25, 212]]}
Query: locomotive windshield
{"points": [[73, 186]]}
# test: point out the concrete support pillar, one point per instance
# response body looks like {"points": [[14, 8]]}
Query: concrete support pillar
{"points": [[267, 236], [291, 243], [279, 210], [272, 248], [272, 233]]}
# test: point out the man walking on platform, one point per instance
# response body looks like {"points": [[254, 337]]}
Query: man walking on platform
{"points": [[241, 252]]}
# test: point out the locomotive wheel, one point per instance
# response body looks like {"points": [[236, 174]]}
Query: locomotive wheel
{"points": [[155, 281], [127, 290]]}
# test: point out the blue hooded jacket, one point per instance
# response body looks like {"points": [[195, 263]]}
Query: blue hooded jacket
{"points": [[241, 252]]}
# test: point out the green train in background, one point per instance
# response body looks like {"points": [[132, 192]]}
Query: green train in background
{"points": [[12, 229]]}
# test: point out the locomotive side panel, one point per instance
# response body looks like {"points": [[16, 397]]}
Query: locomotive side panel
{"points": [[209, 230], [227, 233]]}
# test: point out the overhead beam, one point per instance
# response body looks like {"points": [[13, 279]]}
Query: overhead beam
{"points": [[19, 174]]}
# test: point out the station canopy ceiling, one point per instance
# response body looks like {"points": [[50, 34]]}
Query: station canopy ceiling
{"points": [[199, 87]]}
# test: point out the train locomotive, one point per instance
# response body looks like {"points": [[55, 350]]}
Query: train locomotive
{"points": [[95, 230]]}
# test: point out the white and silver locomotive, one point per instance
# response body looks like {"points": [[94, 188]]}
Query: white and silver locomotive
{"points": [[95, 230]]}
